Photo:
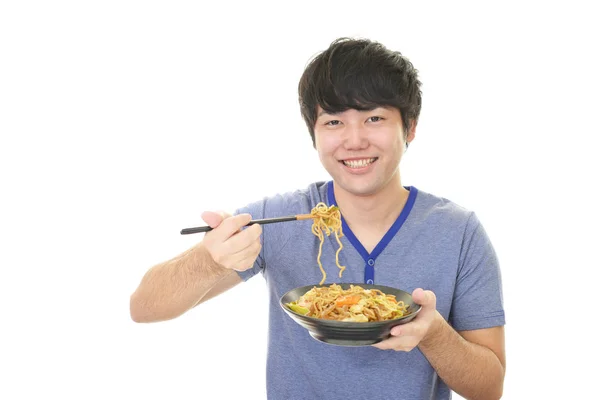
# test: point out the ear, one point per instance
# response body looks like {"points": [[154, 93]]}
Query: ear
{"points": [[411, 132], [410, 135]]}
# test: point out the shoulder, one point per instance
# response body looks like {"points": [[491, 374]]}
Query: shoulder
{"points": [[431, 204], [441, 212]]}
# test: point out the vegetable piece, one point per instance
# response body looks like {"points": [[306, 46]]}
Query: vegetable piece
{"points": [[299, 309], [347, 300]]}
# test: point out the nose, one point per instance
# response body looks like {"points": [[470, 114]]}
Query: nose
{"points": [[355, 137]]}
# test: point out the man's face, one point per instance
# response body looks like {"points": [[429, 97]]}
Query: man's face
{"points": [[361, 150]]}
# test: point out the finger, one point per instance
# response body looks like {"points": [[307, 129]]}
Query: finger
{"points": [[414, 328], [397, 344], [383, 345], [246, 263], [214, 218], [227, 253], [243, 239], [397, 331], [423, 297], [388, 344], [232, 259], [244, 259], [229, 226]]}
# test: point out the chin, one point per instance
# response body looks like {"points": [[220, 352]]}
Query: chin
{"points": [[361, 189]]}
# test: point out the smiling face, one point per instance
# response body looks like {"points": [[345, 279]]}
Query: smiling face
{"points": [[362, 150]]}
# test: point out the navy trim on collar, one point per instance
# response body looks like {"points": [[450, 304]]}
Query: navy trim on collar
{"points": [[387, 238]]}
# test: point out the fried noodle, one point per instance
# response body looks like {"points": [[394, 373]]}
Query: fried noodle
{"points": [[328, 220], [355, 304]]}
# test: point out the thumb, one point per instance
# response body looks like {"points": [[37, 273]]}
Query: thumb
{"points": [[423, 297], [214, 218]]}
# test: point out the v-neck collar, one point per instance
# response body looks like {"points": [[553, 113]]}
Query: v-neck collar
{"points": [[387, 238]]}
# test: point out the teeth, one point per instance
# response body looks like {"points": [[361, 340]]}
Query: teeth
{"points": [[358, 163]]}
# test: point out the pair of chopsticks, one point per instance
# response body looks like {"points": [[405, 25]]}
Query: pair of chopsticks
{"points": [[298, 217]]}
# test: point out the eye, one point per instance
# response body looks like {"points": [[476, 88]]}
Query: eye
{"points": [[333, 123], [375, 119]]}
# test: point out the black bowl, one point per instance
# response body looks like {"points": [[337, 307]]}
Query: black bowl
{"points": [[344, 333]]}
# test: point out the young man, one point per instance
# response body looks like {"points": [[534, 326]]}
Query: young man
{"points": [[361, 103]]}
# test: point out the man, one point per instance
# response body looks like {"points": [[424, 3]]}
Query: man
{"points": [[361, 103]]}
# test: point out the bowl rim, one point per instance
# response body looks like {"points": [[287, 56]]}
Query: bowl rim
{"points": [[349, 324]]}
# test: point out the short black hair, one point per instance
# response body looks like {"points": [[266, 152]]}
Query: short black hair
{"points": [[359, 74]]}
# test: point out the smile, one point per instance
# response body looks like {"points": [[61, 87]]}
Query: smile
{"points": [[359, 163]]}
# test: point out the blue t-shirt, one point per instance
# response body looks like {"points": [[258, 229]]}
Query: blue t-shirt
{"points": [[434, 244]]}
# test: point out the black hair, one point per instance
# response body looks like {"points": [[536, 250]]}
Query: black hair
{"points": [[359, 74]]}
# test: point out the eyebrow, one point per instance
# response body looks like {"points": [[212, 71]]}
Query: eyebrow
{"points": [[323, 112]]}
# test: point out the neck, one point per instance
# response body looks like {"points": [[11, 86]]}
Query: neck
{"points": [[377, 210]]}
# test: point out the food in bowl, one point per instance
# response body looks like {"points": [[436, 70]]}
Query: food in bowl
{"points": [[354, 304]]}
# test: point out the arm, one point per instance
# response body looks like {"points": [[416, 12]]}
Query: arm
{"points": [[227, 282], [471, 363], [171, 288]]}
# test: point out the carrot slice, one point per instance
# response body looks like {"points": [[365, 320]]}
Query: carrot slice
{"points": [[347, 300]]}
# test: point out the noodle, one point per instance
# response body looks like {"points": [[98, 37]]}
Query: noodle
{"points": [[355, 304], [328, 220]]}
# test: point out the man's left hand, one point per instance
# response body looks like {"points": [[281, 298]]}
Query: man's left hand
{"points": [[408, 336]]}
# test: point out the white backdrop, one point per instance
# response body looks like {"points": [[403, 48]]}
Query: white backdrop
{"points": [[122, 121]]}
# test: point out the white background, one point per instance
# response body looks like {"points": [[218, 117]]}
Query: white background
{"points": [[122, 121]]}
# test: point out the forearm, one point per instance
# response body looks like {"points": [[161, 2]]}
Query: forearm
{"points": [[471, 370], [171, 288]]}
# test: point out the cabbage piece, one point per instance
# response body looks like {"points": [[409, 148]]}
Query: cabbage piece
{"points": [[299, 309]]}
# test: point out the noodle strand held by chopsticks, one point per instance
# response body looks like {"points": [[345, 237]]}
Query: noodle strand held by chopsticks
{"points": [[329, 220]]}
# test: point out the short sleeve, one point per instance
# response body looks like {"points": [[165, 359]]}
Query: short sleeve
{"points": [[478, 297]]}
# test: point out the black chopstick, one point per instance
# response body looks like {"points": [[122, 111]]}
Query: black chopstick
{"points": [[200, 229]]}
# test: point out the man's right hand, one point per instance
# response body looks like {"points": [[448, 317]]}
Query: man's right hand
{"points": [[228, 244]]}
